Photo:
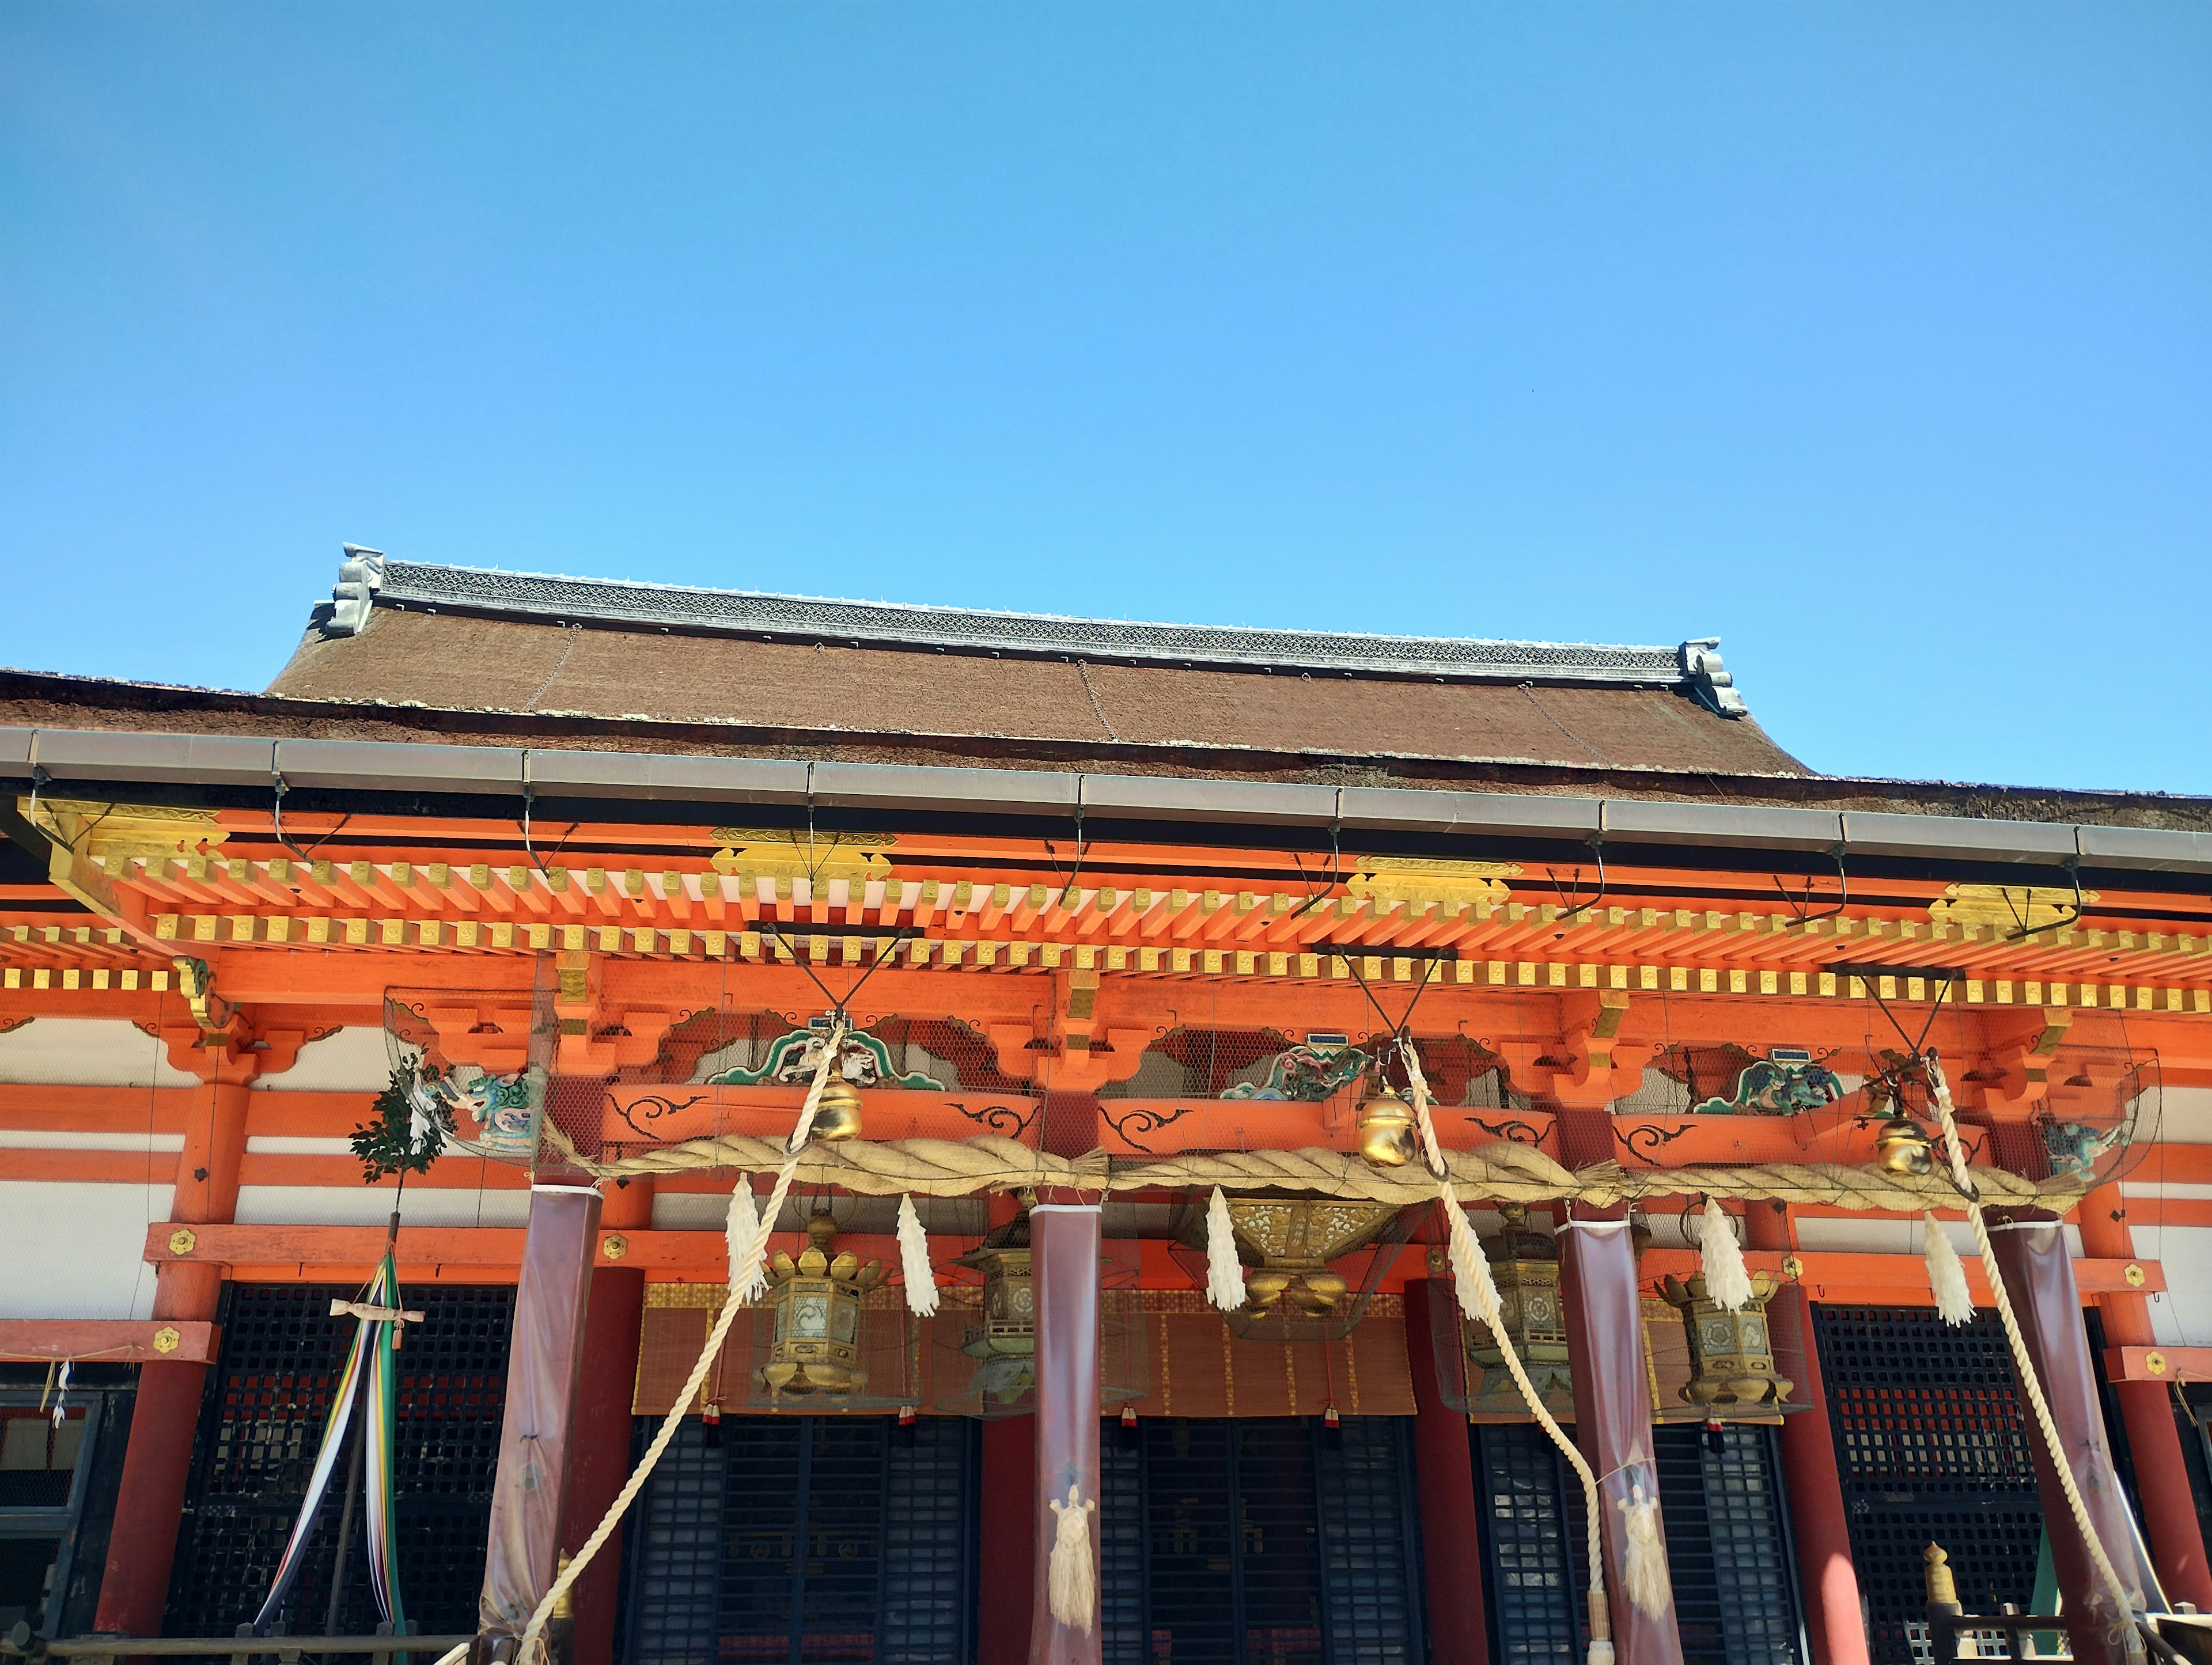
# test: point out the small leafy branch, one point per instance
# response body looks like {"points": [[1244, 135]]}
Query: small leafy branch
{"points": [[385, 1145]]}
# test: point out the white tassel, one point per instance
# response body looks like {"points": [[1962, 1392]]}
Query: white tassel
{"points": [[1072, 1583], [1946, 1277], [748, 1277], [1726, 1280], [1224, 1278], [1478, 1290], [1643, 1555], [914, 1260]]}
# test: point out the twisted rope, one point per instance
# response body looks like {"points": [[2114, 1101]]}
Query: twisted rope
{"points": [[1485, 1298], [2023, 1365], [532, 1651], [1502, 1170]]}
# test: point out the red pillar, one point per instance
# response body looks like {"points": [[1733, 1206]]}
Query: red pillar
{"points": [[1008, 1595], [1834, 1621], [2177, 1544], [1451, 1547], [599, 1460], [1613, 1407], [2031, 1252], [134, 1589]]}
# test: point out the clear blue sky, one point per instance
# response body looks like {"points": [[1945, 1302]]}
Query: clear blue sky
{"points": [[1875, 339]]}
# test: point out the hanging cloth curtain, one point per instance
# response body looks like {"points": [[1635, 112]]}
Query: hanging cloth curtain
{"points": [[369, 1369]]}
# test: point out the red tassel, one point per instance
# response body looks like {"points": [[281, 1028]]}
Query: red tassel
{"points": [[906, 1416], [712, 1416], [1329, 1418], [1129, 1416]]}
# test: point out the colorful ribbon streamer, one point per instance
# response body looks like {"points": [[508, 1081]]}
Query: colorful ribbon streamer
{"points": [[370, 1357]]}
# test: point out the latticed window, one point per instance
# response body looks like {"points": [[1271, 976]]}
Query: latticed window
{"points": [[259, 1430], [792, 1540], [1728, 1551], [1256, 1540], [1932, 1443]]}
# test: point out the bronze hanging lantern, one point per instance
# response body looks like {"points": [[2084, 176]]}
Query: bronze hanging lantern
{"points": [[1388, 1138], [817, 1345], [1295, 1240], [1524, 1262], [837, 1112], [1005, 1343], [1731, 1353]]}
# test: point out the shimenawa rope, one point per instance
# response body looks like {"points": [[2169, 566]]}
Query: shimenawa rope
{"points": [[532, 1645]]}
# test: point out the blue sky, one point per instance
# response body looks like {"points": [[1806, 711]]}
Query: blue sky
{"points": [[1876, 339]]}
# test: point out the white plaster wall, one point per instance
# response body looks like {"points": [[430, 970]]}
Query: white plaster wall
{"points": [[2181, 1314], [87, 1052], [72, 1251], [362, 1205], [352, 1061], [2178, 1115], [1871, 1234]]}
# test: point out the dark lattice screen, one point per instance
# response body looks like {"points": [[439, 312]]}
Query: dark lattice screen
{"points": [[797, 1540], [1735, 1600], [267, 1400], [1533, 1546], [1932, 1441], [1249, 1542]]}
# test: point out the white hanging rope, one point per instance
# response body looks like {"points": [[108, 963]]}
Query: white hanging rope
{"points": [[1481, 1302], [2023, 1366], [532, 1651]]}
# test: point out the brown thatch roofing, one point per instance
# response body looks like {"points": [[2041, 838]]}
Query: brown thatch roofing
{"points": [[460, 639]]}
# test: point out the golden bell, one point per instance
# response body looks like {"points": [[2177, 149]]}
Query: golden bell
{"points": [[1902, 1147], [837, 1114], [1386, 1129]]}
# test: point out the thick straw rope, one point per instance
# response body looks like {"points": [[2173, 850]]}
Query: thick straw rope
{"points": [[1502, 1169], [1486, 1296], [2023, 1365], [531, 1647]]}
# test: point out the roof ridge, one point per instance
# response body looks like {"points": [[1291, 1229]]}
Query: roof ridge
{"points": [[368, 578]]}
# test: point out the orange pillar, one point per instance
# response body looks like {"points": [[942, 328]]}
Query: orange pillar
{"points": [[2177, 1544], [1451, 1545], [157, 1462], [600, 1458]]}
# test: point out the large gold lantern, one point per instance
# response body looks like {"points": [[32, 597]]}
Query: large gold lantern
{"points": [[1294, 1240], [1006, 1342], [1731, 1353], [817, 1349], [1524, 1263]]}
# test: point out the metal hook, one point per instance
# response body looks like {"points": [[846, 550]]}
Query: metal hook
{"points": [[1597, 842], [1843, 880], [2027, 927]]}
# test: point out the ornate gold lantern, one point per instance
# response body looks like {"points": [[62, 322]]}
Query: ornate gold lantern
{"points": [[1388, 1136], [1005, 1343], [1524, 1263], [1902, 1147], [817, 1349], [837, 1112], [1731, 1353], [1295, 1240]]}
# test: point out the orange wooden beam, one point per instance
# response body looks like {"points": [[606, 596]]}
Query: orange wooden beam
{"points": [[2158, 1363], [110, 1340]]}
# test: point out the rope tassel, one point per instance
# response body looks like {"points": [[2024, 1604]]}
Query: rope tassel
{"points": [[747, 1282], [1224, 1277], [921, 1296], [1072, 1583], [1947, 1276], [1644, 1553], [1726, 1279]]}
